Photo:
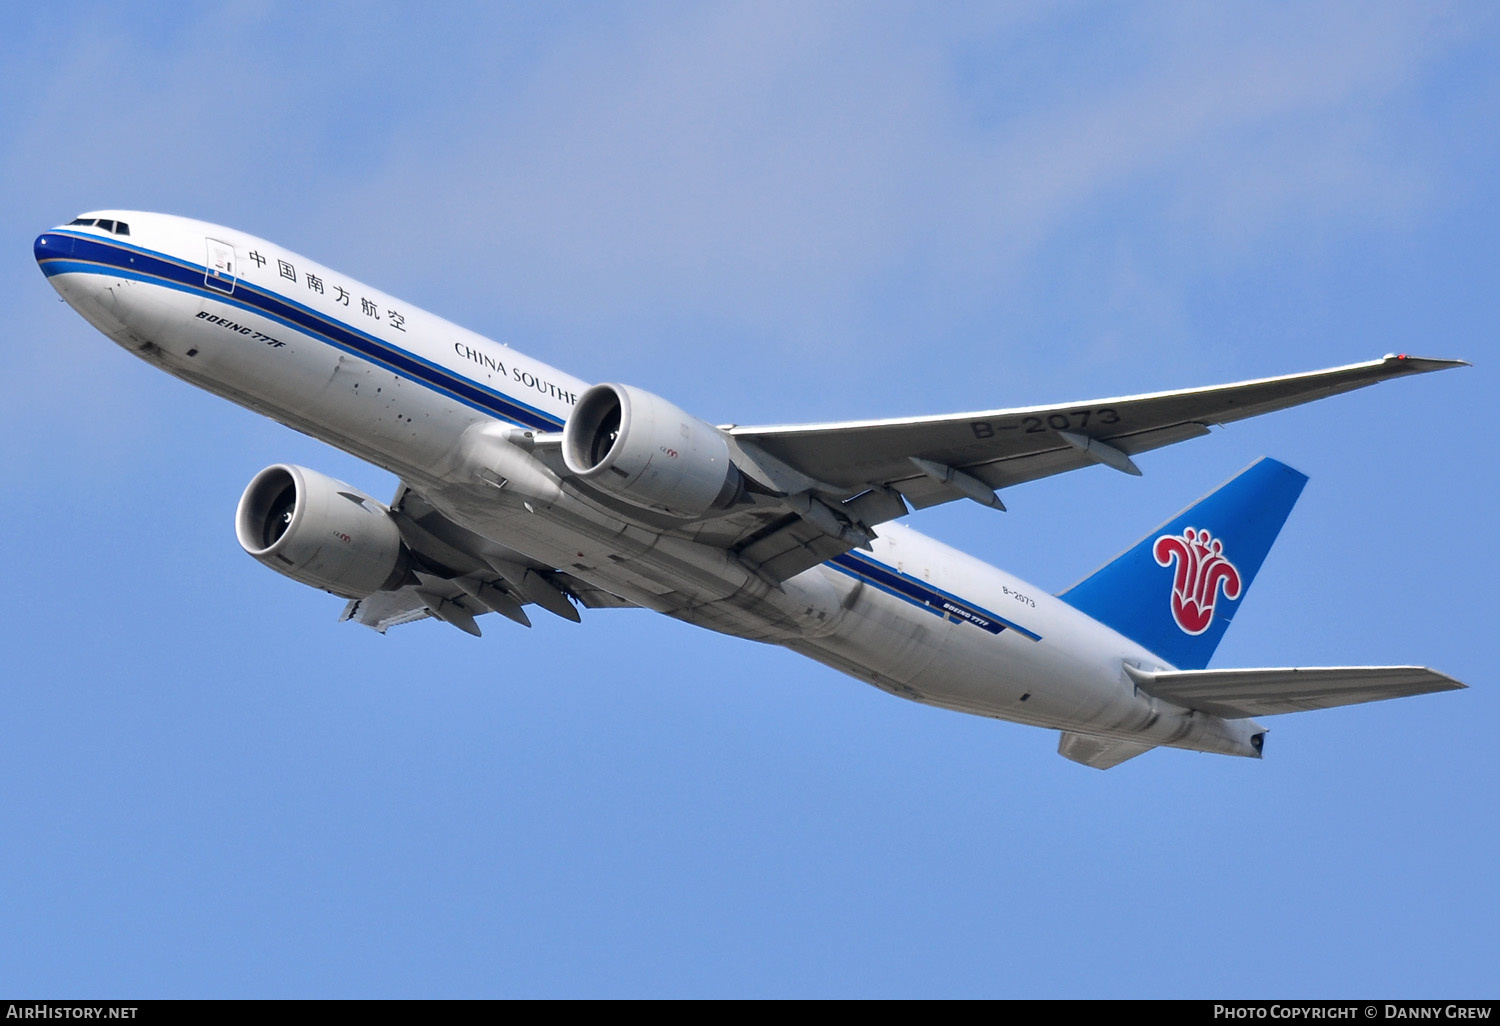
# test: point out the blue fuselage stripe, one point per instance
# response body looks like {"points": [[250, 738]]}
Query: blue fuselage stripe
{"points": [[93, 256], [919, 593]]}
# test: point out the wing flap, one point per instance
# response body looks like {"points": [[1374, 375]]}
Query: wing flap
{"points": [[790, 547], [386, 609], [1268, 692]]}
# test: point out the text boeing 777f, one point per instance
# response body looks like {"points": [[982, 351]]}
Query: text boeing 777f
{"points": [[525, 486]]}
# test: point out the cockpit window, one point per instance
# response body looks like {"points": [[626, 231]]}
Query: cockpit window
{"points": [[117, 227]]}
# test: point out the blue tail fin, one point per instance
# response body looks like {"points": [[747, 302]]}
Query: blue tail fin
{"points": [[1176, 590]]}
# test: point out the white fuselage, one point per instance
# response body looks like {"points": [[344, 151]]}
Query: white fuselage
{"points": [[406, 390]]}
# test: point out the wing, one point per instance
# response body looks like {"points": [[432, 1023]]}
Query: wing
{"points": [[457, 575], [999, 448], [828, 485], [1238, 693]]}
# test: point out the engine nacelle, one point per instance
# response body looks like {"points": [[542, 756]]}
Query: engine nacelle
{"points": [[643, 449], [320, 532]]}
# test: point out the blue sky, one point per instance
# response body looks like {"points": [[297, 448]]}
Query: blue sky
{"points": [[765, 212]]}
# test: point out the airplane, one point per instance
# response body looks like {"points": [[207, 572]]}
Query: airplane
{"points": [[525, 488]]}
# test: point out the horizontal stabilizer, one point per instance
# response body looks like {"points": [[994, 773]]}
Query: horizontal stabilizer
{"points": [[1098, 752], [1267, 692]]}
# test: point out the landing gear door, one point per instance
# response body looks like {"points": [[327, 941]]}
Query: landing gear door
{"points": [[219, 274]]}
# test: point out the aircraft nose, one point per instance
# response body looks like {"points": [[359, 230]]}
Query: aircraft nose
{"points": [[51, 246]]}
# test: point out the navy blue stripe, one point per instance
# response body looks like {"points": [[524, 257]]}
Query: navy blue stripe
{"points": [[924, 595], [96, 256]]}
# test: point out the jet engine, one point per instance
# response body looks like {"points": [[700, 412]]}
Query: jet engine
{"points": [[320, 531], [644, 450]]}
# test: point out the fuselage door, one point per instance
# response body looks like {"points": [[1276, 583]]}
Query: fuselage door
{"points": [[220, 271]]}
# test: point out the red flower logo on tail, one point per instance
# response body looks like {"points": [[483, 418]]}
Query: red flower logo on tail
{"points": [[1201, 568]]}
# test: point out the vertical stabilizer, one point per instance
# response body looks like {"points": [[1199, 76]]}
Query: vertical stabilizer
{"points": [[1176, 590]]}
